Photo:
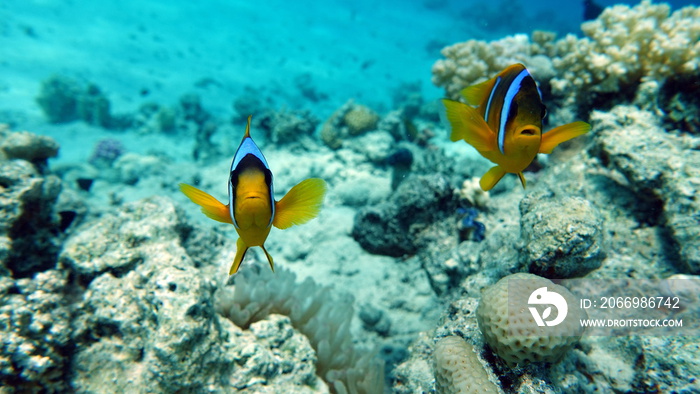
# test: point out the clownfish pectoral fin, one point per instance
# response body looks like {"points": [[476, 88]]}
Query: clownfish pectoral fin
{"points": [[560, 134], [478, 94], [301, 204], [241, 248], [522, 179], [491, 178], [468, 125], [210, 205], [269, 258]]}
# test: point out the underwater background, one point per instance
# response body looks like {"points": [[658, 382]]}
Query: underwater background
{"points": [[111, 280]]}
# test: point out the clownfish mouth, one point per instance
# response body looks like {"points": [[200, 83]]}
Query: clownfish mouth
{"points": [[528, 132]]}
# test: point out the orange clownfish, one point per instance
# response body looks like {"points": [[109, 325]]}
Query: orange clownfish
{"points": [[506, 125], [252, 208]]}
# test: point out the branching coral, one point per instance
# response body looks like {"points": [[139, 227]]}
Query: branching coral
{"points": [[318, 313], [624, 47], [347, 121]]}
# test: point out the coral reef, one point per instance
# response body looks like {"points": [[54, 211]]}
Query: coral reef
{"points": [[346, 122], [375, 147], [36, 149], [186, 118], [280, 357], [155, 118], [64, 99], [659, 167], [132, 167], [248, 103], [154, 324], [562, 237], [197, 121], [623, 47], [30, 225], [148, 316], [416, 375], [472, 193], [360, 119], [284, 127], [395, 227], [36, 345], [147, 229], [400, 161], [102, 294], [106, 151]]}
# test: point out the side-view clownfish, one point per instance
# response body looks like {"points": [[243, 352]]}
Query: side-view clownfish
{"points": [[252, 208], [506, 125]]}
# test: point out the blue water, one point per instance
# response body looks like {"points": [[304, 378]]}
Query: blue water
{"points": [[361, 49], [148, 50], [289, 56]]}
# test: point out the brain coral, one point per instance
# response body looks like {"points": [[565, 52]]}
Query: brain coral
{"points": [[510, 329], [360, 119], [623, 47], [458, 369]]}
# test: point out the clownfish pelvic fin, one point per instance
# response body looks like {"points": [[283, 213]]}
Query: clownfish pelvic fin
{"points": [[241, 249], [491, 178]]}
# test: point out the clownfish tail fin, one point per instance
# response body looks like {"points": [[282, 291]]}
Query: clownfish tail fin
{"points": [[301, 204]]}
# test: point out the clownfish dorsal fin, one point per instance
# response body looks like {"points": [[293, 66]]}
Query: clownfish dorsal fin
{"points": [[467, 124], [247, 128], [477, 95]]}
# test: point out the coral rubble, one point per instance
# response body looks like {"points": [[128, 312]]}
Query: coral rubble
{"points": [[562, 237], [658, 166], [30, 224], [394, 228]]}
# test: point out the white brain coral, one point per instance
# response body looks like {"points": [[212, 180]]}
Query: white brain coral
{"points": [[458, 369]]}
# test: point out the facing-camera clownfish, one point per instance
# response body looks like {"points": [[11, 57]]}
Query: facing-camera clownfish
{"points": [[252, 208], [506, 125]]}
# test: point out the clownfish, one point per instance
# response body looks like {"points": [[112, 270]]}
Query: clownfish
{"points": [[506, 125], [252, 208]]}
